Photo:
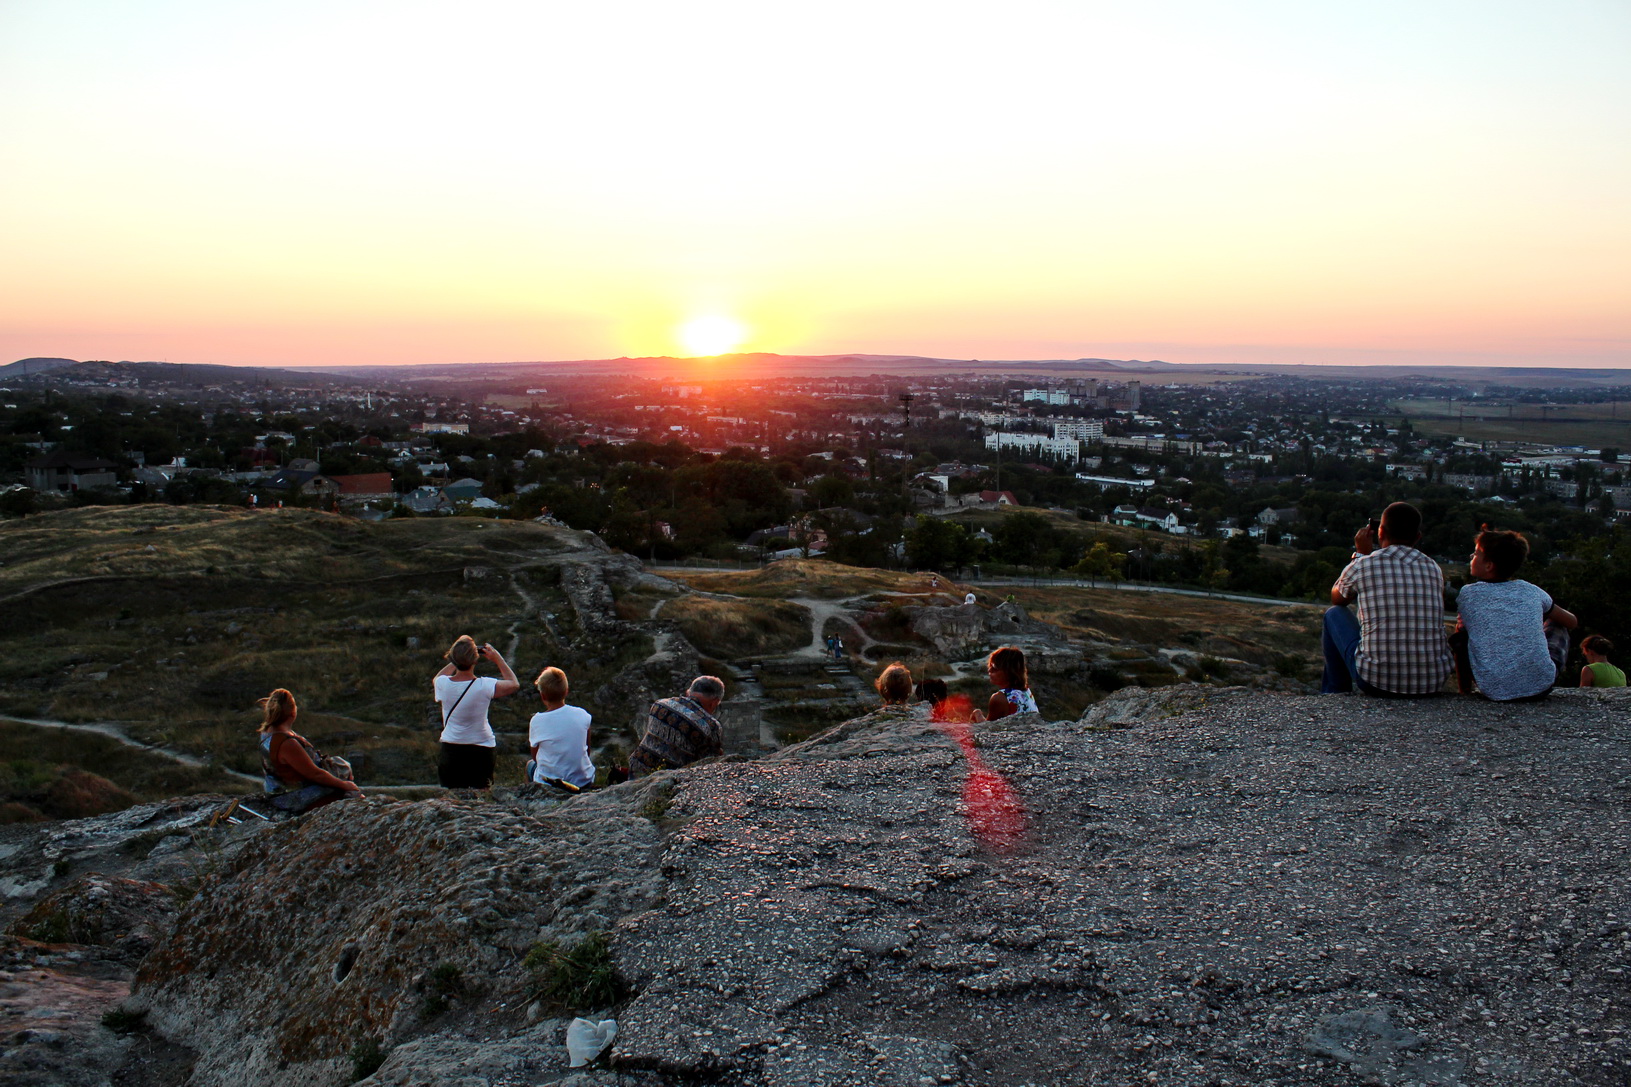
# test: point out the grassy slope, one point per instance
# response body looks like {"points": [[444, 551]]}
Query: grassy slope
{"points": [[730, 629], [1224, 628], [817, 579], [172, 621], [34, 762]]}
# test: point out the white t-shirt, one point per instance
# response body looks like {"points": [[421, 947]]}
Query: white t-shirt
{"points": [[562, 738], [468, 723]]}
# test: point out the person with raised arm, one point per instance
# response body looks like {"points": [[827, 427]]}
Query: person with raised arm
{"points": [[468, 749]]}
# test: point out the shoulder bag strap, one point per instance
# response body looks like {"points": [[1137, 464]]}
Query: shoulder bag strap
{"points": [[447, 713]]}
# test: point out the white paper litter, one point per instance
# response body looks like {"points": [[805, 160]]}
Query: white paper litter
{"points": [[586, 1040]]}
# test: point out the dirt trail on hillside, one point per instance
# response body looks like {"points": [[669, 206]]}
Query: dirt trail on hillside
{"points": [[820, 612], [114, 732]]}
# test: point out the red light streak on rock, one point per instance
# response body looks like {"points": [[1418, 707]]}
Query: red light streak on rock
{"points": [[993, 809]]}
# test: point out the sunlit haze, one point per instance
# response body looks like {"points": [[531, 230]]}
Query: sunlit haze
{"points": [[340, 182]]}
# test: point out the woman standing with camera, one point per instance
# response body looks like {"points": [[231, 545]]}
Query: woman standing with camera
{"points": [[466, 760]]}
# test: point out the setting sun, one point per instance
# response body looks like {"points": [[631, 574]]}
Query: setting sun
{"points": [[712, 335]]}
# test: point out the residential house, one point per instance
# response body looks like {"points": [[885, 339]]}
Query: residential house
{"points": [[462, 490], [308, 483], [59, 471], [364, 488]]}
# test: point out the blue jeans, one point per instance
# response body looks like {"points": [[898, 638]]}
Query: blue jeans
{"points": [[1340, 642], [305, 799]]}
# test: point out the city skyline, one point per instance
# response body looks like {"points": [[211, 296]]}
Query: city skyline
{"points": [[357, 184]]}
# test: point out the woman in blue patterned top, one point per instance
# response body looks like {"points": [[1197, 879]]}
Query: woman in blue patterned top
{"points": [[1006, 667]]}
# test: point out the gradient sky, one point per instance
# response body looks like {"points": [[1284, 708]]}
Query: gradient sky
{"points": [[341, 182]]}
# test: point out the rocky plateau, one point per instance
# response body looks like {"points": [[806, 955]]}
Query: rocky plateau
{"points": [[1186, 886]]}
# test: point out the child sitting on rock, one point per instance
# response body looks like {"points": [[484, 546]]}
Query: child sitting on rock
{"points": [[559, 736], [1598, 672], [1510, 636], [894, 685], [1006, 668], [943, 705]]}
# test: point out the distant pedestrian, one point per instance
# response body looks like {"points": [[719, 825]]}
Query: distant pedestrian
{"points": [[467, 754], [679, 731], [838, 649], [1598, 672]]}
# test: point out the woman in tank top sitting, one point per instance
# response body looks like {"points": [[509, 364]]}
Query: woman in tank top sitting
{"points": [[293, 778], [468, 744]]}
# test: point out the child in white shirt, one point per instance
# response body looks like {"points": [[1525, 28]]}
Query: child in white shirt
{"points": [[559, 735]]}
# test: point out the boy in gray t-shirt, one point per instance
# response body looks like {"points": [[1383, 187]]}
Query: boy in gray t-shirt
{"points": [[1510, 636]]}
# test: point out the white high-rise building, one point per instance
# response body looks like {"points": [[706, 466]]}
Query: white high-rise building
{"points": [[1067, 448], [1081, 430]]}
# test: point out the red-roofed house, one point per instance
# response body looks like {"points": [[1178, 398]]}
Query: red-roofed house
{"points": [[368, 487], [1001, 498]]}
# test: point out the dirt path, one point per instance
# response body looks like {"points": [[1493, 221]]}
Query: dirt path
{"points": [[114, 732], [820, 612]]}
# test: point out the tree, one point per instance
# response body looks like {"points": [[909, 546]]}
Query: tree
{"points": [[1101, 564], [934, 543], [1021, 538]]}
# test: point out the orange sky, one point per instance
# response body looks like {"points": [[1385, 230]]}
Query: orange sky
{"points": [[304, 183]]}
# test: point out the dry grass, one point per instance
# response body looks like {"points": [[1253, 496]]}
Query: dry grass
{"points": [[176, 643], [814, 578], [135, 542], [140, 775], [733, 629], [1257, 633]]}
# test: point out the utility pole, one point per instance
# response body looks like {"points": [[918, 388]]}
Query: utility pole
{"points": [[906, 443]]}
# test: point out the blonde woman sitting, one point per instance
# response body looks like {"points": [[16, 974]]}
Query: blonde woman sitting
{"points": [[294, 778]]}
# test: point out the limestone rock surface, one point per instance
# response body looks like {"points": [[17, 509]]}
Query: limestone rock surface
{"points": [[1192, 887]]}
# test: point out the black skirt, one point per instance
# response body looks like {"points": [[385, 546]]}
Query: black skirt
{"points": [[466, 766]]}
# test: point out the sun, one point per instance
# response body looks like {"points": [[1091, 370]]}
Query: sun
{"points": [[712, 335]]}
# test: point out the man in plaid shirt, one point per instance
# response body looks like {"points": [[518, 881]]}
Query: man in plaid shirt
{"points": [[1396, 644]]}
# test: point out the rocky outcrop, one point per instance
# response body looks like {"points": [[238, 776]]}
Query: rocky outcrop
{"points": [[1192, 886], [963, 630], [369, 909]]}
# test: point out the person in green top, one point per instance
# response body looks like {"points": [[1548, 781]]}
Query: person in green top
{"points": [[1598, 672]]}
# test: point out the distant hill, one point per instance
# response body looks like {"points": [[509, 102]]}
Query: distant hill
{"points": [[754, 364], [24, 367], [164, 373]]}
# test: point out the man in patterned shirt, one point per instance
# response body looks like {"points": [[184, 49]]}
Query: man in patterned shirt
{"points": [[1396, 644], [679, 731]]}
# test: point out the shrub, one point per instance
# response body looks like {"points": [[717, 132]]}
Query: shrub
{"points": [[121, 1021], [444, 982], [576, 978], [1290, 665], [366, 1057], [658, 804]]}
